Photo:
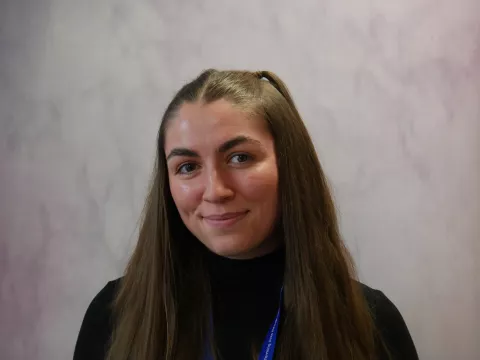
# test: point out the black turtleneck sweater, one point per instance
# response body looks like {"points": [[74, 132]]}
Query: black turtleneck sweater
{"points": [[245, 295]]}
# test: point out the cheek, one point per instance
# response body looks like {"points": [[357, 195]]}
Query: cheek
{"points": [[261, 185], [186, 197]]}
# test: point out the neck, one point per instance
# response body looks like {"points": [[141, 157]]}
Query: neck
{"points": [[245, 299], [267, 247], [246, 274]]}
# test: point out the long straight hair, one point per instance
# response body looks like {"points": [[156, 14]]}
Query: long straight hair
{"points": [[162, 307]]}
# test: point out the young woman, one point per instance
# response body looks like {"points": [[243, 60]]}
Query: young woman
{"points": [[239, 254]]}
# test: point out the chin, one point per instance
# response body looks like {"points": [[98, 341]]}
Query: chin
{"points": [[229, 252], [230, 249], [238, 250]]}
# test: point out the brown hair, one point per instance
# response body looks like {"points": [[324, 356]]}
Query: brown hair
{"points": [[162, 309]]}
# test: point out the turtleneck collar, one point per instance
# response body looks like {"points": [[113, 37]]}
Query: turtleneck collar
{"points": [[245, 300], [264, 272]]}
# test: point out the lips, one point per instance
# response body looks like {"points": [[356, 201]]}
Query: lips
{"points": [[224, 216], [224, 220]]}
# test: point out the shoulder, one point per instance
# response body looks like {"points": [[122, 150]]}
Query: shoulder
{"points": [[100, 307], [96, 327], [106, 295], [390, 324]]}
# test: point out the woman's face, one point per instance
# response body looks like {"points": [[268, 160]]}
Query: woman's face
{"points": [[223, 177]]}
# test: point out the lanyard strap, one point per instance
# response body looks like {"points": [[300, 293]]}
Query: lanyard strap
{"points": [[268, 347]]}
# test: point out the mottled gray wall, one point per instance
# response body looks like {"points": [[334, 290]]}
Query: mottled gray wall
{"points": [[390, 91]]}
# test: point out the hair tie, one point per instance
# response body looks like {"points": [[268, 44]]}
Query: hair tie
{"points": [[260, 75]]}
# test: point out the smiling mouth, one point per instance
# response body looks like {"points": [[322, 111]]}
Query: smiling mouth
{"points": [[224, 220]]}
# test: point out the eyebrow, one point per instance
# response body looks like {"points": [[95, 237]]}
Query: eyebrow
{"points": [[226, 146]]}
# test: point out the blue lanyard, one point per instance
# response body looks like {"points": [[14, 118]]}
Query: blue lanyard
{"points": [[268, 346]]}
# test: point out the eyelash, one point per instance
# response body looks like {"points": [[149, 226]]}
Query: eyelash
{"points": [[248, 156], [181, 166], [179, 169]]}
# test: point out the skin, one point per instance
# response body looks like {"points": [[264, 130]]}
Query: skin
{"points": [[223, 178]]}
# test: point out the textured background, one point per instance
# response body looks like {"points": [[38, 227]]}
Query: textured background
{"points": [[390, 91]]}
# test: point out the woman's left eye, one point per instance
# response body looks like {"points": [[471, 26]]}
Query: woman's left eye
{"points": [[240, 158]]}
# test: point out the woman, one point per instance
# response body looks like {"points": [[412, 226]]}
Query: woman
{"points": [[239, 254]]}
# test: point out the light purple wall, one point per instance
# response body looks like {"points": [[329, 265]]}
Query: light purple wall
{"points": [[390, 91]]}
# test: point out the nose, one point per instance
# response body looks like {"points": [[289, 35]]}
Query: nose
{"points": [[217, 188]]}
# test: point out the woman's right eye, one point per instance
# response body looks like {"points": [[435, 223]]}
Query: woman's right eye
{"points": [[186, 168]]}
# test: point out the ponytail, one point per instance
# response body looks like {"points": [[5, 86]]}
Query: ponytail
{"points": [[278, 84]]}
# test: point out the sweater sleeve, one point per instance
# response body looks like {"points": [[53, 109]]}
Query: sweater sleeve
{"points": [[95, 331], [392, 328]]}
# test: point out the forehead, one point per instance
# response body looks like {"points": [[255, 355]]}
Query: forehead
{"points": [[198, 124]]}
